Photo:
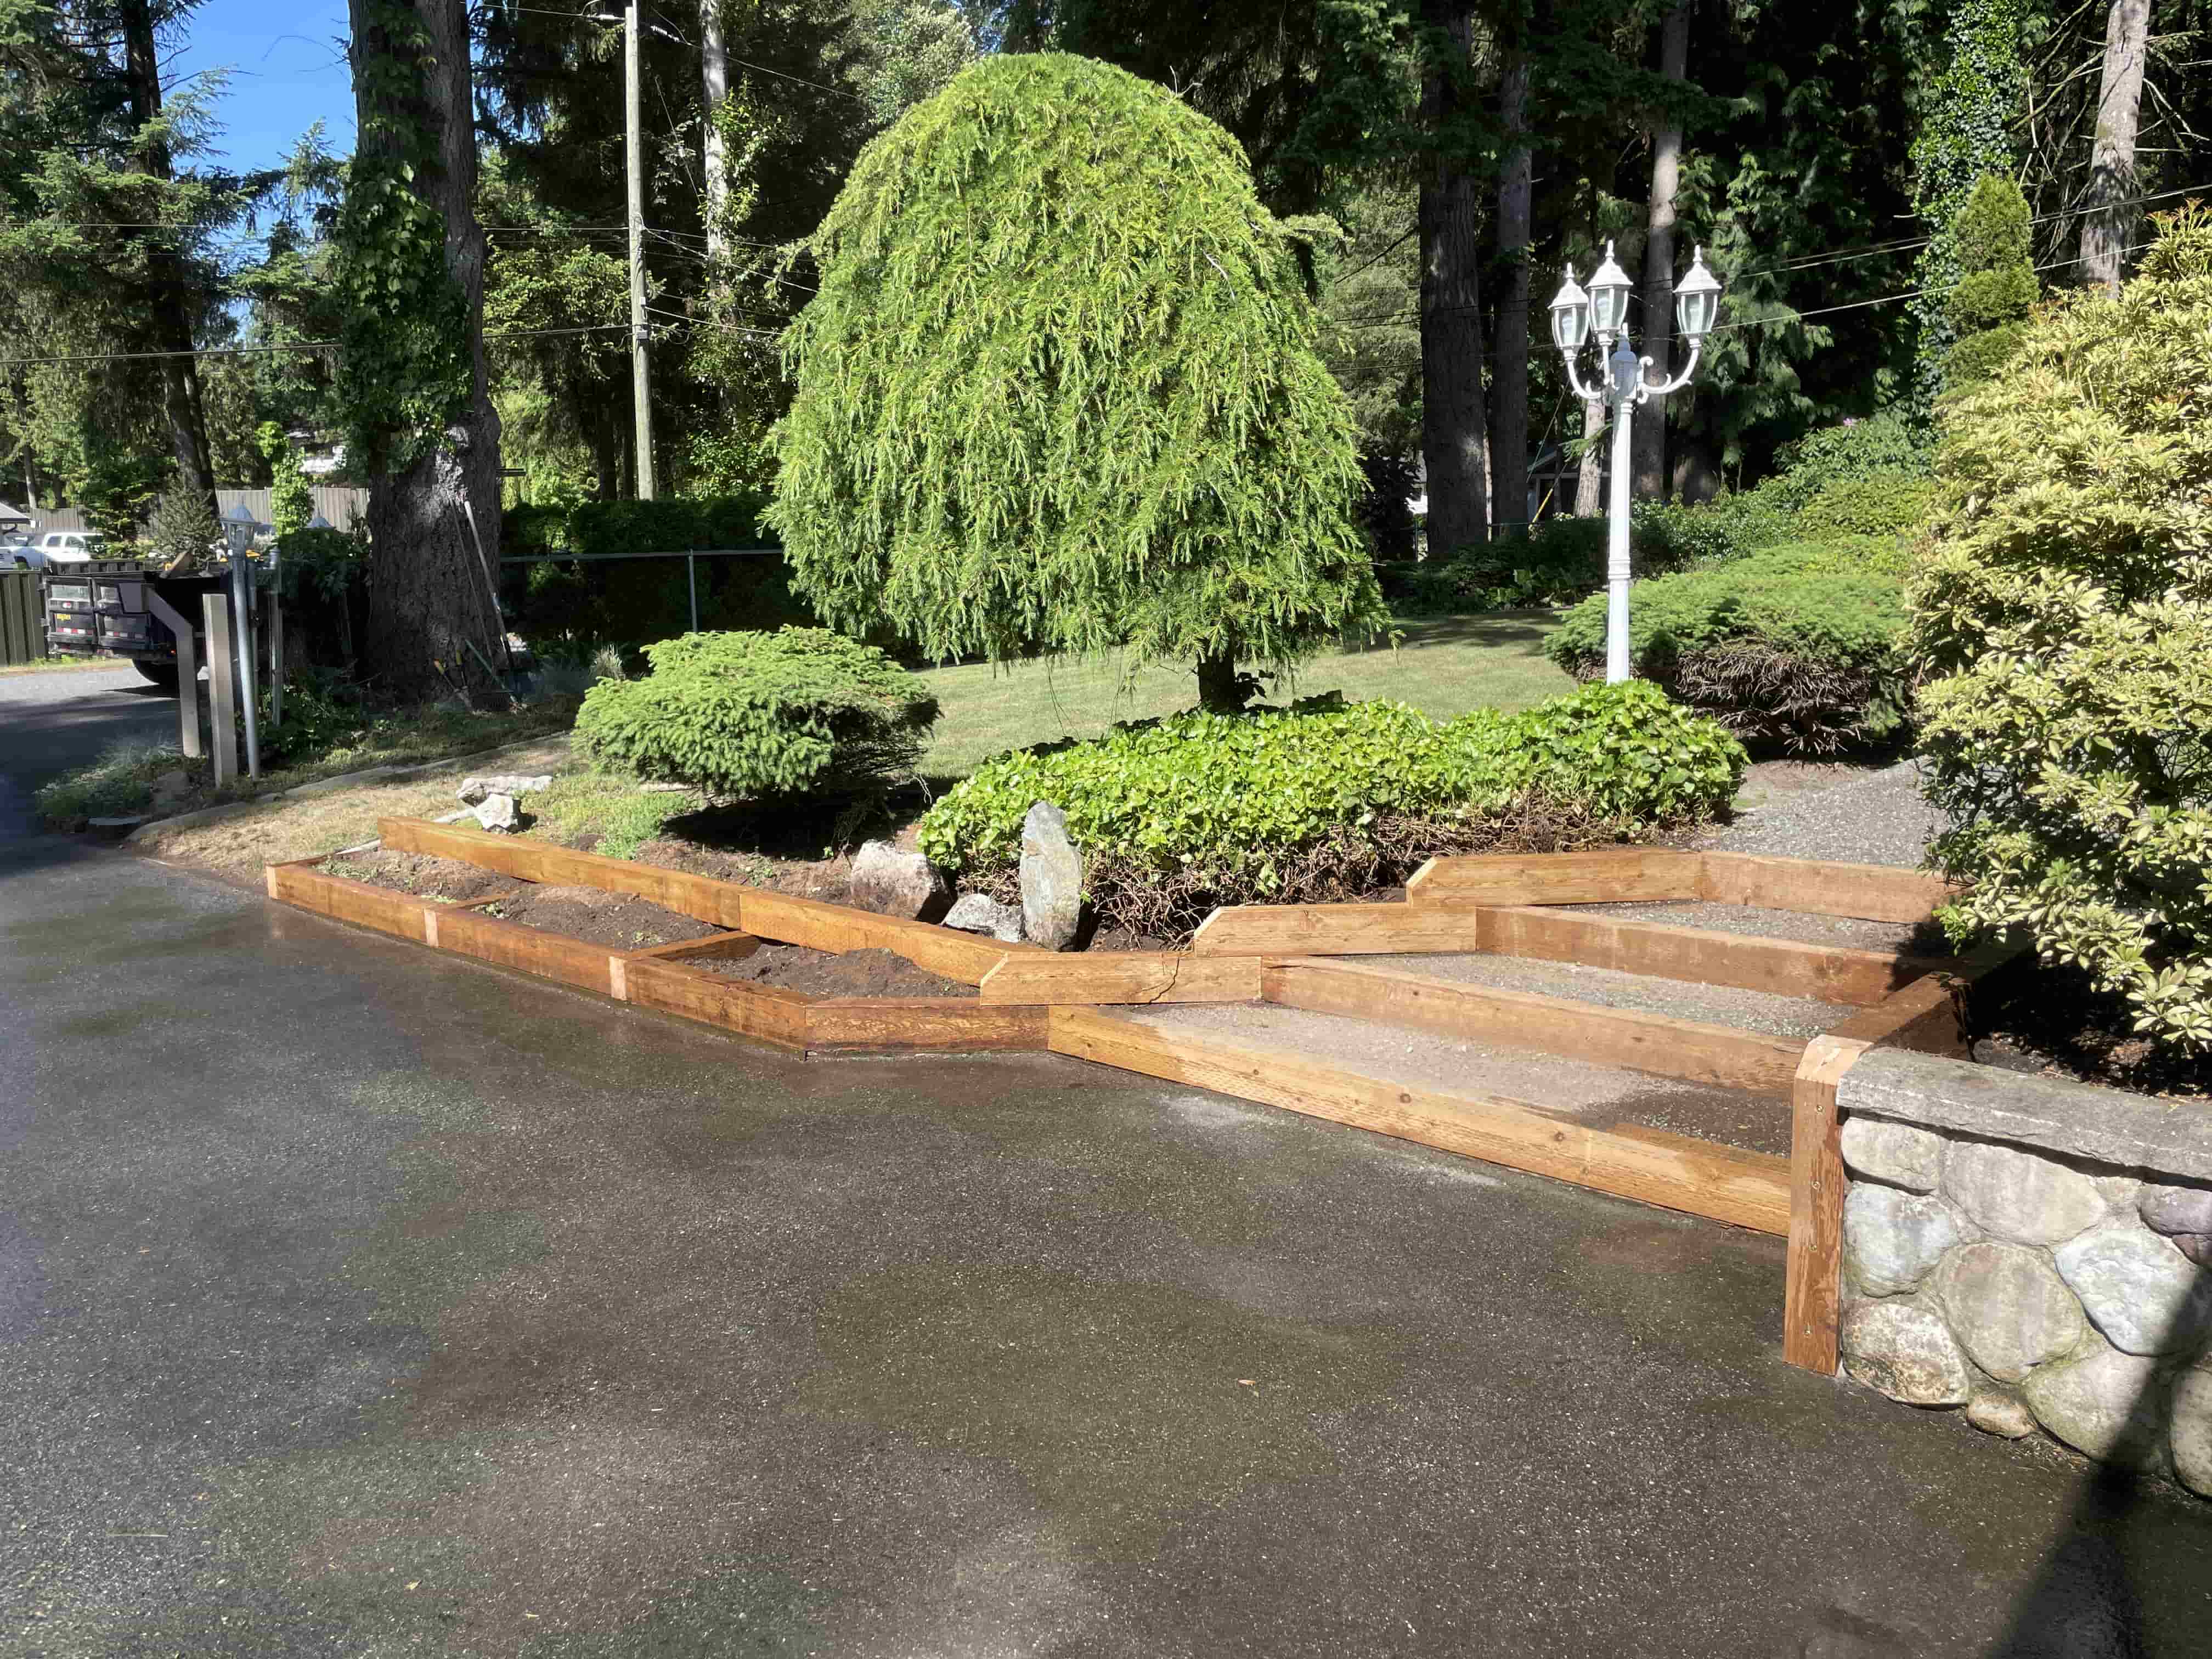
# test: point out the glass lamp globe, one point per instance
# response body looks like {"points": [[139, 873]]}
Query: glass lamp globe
{"points": [[1610, 288], [1697, 299], [1571, 315]]}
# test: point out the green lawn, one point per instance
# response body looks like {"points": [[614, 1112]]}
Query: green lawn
{"points": [[1443, 666]]}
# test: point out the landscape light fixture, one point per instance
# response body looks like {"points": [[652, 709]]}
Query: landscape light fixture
{"points": [[1603, 309]]}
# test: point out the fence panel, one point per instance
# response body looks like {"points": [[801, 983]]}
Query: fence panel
{"points": [[23, 617]]}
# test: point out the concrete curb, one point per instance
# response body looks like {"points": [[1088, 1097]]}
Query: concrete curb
{"points": [[323, 787]]}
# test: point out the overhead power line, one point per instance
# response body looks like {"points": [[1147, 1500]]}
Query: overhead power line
{"points": [[263, 350]]}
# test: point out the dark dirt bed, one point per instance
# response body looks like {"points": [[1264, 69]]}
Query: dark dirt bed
{"points": [[419, 874], [621, 921], [836, 974]]}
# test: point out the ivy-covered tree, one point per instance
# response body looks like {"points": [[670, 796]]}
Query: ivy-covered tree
{"points": [[1989, 307], [1059, 392], [421, 427]]}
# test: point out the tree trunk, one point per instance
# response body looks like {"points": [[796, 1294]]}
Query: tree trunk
{"points": [[1649, 439], [1590, 483], [168, 307], [1221, 689], [1454, 441], [1509, 444], [713, 87], [434, 627], [2107, 230]]}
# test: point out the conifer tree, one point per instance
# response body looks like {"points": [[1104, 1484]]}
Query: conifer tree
{"points": [[1059, 392]]}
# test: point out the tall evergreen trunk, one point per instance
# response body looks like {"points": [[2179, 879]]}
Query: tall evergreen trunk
{"points": [[1590, 483], [168, 294], [1648, 441], [434, 627], [2107, 230], [713, 87], [1454, 439], [1509, 444]]}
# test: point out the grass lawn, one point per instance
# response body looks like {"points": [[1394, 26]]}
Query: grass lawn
{"points": [[1443, 666]]}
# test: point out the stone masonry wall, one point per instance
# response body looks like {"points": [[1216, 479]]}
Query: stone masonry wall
{"points": [[2034, 1286]]}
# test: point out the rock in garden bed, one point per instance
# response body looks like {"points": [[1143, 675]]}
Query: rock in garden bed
{"points": [[419, 874], [621, 921], [837, 973]]}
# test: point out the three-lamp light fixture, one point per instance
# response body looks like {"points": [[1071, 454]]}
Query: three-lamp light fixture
{"points": [[1603, 309]]}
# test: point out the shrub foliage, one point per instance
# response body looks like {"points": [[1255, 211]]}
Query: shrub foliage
{"points": [[1059, 391], [757, 715], [1327, 800], [1798, 648], [2063, 624]]}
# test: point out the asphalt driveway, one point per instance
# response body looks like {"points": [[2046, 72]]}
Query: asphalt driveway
{"points": [[357, 1301], [55, 720]]}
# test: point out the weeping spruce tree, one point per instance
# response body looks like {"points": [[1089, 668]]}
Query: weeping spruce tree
{"points": [[1059, 392]]}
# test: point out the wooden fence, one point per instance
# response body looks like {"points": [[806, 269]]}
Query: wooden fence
{"points": [[340, 503], [22, 619]]}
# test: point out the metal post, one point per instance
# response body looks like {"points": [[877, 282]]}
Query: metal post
{"points": [[692, 569], [222, 702], [1623, 371], [241, 596], [276, 658], [188, 671], [634, 158]]}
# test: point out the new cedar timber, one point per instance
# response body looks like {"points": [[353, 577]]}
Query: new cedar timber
{"points": [[1748, 1190]]}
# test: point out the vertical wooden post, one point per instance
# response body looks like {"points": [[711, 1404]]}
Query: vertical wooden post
{"points": [[1813, 1296], [188, 671], [222, 687]]}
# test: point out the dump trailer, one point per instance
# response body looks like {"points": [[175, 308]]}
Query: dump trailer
{"points": [[106, 605]]}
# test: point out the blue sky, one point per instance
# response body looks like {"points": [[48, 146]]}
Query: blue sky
{"points": [[287, 73]]}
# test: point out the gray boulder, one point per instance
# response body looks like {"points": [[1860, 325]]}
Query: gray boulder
{"points": [[498, 812], [473, 790], [1891, 1240], [2001, 1414], [2172, 1209], [892, 882], [1897, 1153], [1906, 1352], [2012, 1312], [2018, 1196], [976, 913], [2140, 1291], [2192, 1429], [1052, 879], [2104, 1403]]}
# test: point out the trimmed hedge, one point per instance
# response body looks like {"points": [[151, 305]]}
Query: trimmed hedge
{"points": [[1797, 647], [1327, 800], [758, 715]]}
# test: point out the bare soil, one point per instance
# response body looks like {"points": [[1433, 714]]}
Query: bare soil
{"points": [[837, 973], [621, 921], [419, 874], [2051, 1022]]}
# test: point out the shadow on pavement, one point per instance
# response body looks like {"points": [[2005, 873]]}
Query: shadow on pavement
{"points": [[2087, 1599]]}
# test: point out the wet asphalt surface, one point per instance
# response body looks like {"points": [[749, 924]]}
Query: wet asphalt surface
{"points": [[354, 1301]]}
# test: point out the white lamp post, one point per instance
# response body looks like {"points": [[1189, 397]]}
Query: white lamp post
{"points": [[239, 526], [1604, 309]]}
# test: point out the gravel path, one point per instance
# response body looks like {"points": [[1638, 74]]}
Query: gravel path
{"points": [[1877, 819]]}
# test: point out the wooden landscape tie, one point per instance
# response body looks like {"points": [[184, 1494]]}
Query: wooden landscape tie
{"points": [[1303, 956]]}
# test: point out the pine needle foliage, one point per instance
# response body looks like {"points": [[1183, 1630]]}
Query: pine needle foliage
{"points": [[1060, 390]]}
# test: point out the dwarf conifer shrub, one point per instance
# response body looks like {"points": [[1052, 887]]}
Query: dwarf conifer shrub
{"points": [[2064, 625], [1060, 391], [1797, 647], [754, 716], [1327, 800]]}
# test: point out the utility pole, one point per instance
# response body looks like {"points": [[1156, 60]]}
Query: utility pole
{"points": [[633, 156]]}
